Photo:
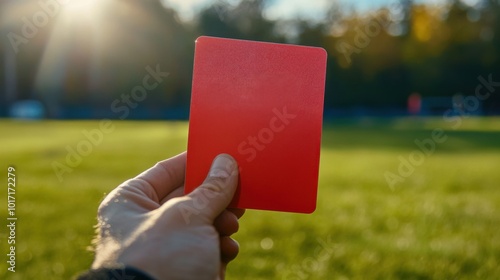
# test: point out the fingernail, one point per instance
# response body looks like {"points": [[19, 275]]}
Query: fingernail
{"points": [[222, 167]]}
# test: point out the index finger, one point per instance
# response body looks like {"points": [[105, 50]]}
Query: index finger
{"points": [[166, 175]]}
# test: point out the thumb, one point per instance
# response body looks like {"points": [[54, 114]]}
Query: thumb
{"points": [[218, 189]]}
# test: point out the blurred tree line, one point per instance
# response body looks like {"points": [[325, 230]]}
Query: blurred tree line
{"points": [[376, 58]]}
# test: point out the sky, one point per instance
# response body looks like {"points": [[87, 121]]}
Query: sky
{"points": [[284, 9]]}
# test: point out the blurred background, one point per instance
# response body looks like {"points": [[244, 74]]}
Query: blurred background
{"points": [[76, 57], [409, 183]]}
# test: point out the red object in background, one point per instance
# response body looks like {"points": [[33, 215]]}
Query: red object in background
{"points": [[414, 103], [262, 103]]}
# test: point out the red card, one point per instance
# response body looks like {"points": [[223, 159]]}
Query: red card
{"points": [[262, 103]]}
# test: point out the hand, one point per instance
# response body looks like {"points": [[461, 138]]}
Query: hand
{"points": [[148, 224]]}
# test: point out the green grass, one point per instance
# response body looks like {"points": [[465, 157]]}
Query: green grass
{"points": [[442, 222]]}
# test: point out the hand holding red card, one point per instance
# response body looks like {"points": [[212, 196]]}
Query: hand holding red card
{"points": [[262, 103]]}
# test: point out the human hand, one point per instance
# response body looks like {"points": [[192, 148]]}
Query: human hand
{"points": [[148, 224]]}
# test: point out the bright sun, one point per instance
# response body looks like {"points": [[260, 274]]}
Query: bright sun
{"points": [[85, 9]]}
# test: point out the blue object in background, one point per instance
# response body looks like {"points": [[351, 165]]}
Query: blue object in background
{"points": [[27, 110]]}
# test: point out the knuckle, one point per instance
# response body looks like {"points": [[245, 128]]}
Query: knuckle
{"points": [[108, 205], [103, 208]]}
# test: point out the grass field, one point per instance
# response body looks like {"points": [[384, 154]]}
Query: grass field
{"points": [[440, 222]]}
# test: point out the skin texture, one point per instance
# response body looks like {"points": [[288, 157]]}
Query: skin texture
{"points": [[148, 223]]}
